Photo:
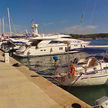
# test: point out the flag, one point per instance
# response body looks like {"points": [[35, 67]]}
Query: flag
{"points": [[82, 17]]}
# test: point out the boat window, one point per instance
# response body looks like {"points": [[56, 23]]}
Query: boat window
{"points": [[67, 37], [75, 45], [105, 67], [44, 49], [61, 48], [17, 37], [82, 63], [53, 42], [35, 43], [41, 50]]}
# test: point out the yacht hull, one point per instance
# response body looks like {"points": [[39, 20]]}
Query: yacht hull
{"points": [[39, 55], [49, 46], [46, 51], [85, 80]]}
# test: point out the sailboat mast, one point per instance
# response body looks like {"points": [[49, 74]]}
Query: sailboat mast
{"points": [[9, 21], [0, 26], [3, 25]]}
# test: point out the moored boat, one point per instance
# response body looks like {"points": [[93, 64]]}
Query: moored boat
{"points": [[50, 45], [88, 72]]}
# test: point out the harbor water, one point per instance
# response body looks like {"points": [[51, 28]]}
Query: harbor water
{"points": [[45, 66]]}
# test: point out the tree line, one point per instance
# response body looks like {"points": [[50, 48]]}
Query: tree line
{"points": [[91, 36]]}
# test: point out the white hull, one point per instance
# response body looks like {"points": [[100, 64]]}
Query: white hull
{"points": [[87, 75], [49, 54], [86, 81], [50, 45], [47, 50]]}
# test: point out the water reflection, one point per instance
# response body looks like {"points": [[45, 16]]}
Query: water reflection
{"points": [[88, 94], [45, 65]]}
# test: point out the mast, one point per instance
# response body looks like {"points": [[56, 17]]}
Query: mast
{"points": [[0, 26], [3, 25], [9, 21]]}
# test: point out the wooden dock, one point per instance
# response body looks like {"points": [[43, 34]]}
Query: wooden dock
{"points": [[19, 90]]}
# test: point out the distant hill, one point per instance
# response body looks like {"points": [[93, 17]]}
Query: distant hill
{"points": [[91, 36]]}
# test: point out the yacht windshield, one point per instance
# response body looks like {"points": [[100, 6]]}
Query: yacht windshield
{"points": [[67, 37], [22, 47], [53, 42]]}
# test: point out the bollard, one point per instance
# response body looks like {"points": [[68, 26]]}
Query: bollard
{"points": [[6, 57]]}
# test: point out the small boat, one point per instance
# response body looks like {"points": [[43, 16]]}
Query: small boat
{"points": [[101, 103], [88, 72]]}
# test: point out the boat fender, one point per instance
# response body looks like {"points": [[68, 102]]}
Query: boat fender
{"points": [[72, 70]]}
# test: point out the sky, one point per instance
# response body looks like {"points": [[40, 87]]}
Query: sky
{"points": [[57, 16]]}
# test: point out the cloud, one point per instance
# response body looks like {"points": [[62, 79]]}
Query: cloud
{"points": [[80, 29]]}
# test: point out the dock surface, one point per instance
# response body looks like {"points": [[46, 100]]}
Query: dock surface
{"points": [[19, 90]]}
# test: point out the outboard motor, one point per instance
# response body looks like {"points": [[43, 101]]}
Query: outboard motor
{"points": [[102, 102]]}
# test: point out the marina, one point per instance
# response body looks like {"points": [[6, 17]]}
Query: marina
{"points": [[45, 66], [53, 54], [89, 73]]}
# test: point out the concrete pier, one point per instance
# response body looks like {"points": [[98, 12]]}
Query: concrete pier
{"points": [[19, 90]]}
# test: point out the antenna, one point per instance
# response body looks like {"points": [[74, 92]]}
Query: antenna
{"points": [[9, 21], [3, 25], [32, 21], [0, 26]]}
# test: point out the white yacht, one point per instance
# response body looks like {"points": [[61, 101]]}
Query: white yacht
{"points": [[88, 72], [13, 42], [50, 45]]}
